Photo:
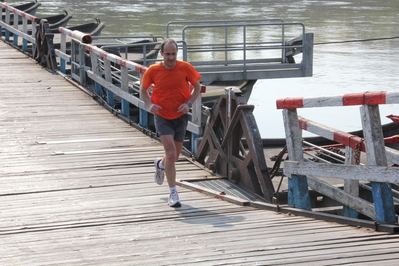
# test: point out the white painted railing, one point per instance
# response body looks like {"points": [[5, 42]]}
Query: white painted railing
{"points": [[17, 30], [129, 74], [99, 70], [302, 173]]}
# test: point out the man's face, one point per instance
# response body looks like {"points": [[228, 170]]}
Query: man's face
{"points": [[169, 55]]}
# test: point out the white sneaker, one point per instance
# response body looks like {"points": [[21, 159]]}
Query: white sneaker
{"points": [[174, 200], [159, 172]]}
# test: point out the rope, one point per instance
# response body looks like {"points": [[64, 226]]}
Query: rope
{"points": [[363, 40]]}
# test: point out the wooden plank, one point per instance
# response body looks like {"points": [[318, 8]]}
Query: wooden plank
{"points": [[352, 172], [341, 196]]}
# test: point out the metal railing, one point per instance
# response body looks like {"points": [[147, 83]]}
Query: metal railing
{"points": [[13, 28], [242, 53], [115, 76], [224, 27], [106, 66]]}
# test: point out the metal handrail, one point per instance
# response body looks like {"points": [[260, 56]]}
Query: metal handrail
{"points": [[244, 42], [217, 21], [124, 47]]}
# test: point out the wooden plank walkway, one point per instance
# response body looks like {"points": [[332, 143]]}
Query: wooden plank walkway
{"points": [[76, 188]]}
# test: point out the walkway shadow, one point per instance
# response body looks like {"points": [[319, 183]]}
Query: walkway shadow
{"points": [[193, 215]]}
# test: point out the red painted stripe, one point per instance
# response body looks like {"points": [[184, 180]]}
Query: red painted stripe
{"points": [[140, 69], [303, 123], [354, 143], [352, 99], [280, 104], [342, 137], [349, 140], [103, 54], [88, 47], [378, 97], [289, 103], [392, 139], [121, 61], [35, 19]]}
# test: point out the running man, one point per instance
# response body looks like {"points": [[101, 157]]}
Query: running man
{"points": [[170, 101]]}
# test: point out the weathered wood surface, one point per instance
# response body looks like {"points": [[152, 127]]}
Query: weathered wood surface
{"points": [[76, 188], [352, 172]]}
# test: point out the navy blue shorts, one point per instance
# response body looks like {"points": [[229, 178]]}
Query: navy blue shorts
{"points": [[176, 127]]}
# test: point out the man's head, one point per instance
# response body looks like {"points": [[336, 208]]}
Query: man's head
{"points": [[169, 53]]}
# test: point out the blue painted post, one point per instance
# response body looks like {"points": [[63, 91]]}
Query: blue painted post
{"points": [[15, 39], [24, 44], [349, 212], [298, 194], [193, 138], [110, 98], [99, 90], [143, 118], [125, 108], [63, 66], [375, 149], [383, 202], [7, 35]]}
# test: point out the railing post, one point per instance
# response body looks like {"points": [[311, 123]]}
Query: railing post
{"points": [[82, 64], [95, 68], [298, 194], [74, 55], [350, 186], [125, 87], [99, 89], [143, 118], [196, 117], [143, 114], [63, 49], [25, 30], [108, 77], [15, 26], [7, 20], [307, 61], [375, 149], [34, 24]]}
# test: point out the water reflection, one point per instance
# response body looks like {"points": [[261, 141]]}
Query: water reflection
{"points": [[338, 68]]}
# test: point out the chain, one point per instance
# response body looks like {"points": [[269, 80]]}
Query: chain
{"points": [[357, 151]]}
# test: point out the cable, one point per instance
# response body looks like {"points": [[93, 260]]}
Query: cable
{"points": [[364, 40]]}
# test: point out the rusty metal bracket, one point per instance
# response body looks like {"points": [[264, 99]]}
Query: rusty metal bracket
{"points": [[222, 151]]}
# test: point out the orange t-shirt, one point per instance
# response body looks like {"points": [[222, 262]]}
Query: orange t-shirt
{"points": [[171, 87]]}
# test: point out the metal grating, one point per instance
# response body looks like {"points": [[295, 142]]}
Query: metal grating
{"points": [[223, 185]]}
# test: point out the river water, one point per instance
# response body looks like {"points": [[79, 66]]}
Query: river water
{"points": [[343, 67]]}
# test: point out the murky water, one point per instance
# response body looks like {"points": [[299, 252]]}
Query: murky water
{"points": [[338, 68]]}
